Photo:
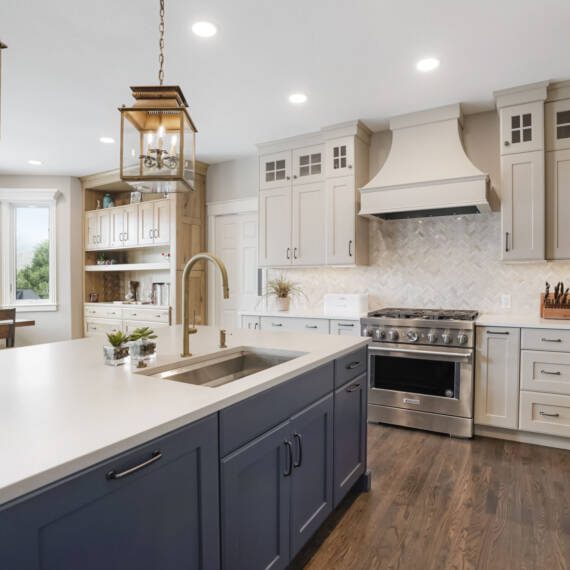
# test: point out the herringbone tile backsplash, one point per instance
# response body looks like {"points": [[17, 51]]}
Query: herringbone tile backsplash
{"points": [[450, 262]]}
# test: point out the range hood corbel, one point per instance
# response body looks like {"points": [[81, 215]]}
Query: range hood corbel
{"points": [[427, 172]]}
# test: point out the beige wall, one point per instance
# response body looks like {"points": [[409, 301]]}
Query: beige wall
{"points": [[65, 322], [232, 180]]}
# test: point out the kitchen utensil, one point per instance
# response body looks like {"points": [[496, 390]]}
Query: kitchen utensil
{"points": [[565, 296], [546, 293]]}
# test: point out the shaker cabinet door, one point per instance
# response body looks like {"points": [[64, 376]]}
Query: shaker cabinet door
{"points": [[308, 164], [117, 227], [497, 377], [275, 227], [523, 206], [340, 157], [340, 220], [146, 223], [161, 217], [308, 224], [558, 204]]}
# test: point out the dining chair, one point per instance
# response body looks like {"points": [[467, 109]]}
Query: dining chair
{"points": [[7, 336]]}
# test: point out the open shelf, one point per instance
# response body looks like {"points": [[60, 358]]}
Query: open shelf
{"points": [[151, 266]]}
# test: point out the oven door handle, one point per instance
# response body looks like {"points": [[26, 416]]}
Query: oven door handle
{"points": [[459, 356]]}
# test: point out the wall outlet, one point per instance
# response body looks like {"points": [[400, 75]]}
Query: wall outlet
{"points": [[505, 301]]}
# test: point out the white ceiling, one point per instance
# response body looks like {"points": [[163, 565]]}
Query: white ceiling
{"points": [[70, 63]]}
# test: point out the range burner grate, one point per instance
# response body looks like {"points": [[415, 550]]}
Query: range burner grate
{"points": [[427, 314]]}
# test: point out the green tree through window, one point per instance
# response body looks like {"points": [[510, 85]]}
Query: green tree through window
{"points": [[35, 276]]}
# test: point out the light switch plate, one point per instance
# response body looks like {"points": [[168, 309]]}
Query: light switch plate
{"points": [[505, 301]]}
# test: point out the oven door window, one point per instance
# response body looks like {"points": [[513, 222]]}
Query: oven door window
{"points": [[415, 375]]}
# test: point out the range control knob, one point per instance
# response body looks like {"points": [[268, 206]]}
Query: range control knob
{"points": [[379, 334], [462, 338], [446, 338], [393, 334], [432, 337], [367, 331], [413, 335]]}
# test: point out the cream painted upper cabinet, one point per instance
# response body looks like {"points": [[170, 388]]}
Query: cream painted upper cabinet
{"points": [[154, 222], [340, 198], [340, 156], [275, 227], [275, 170], [308, 224], [123, 226], [97, 229], [522, 127], [308, 164], [523, 206], [557, 119], [497, 377], [558, 204]]}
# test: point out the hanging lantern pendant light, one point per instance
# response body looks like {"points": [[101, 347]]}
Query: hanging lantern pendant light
{"points": [[158, 136]]}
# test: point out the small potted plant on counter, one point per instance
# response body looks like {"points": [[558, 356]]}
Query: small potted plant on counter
{"points": [[117, 352], [283, 290], [143, 347]]}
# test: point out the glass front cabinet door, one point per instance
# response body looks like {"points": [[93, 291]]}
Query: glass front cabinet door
{"points": [[275, 170], [340, 157], [308, 164], [522, 128]]}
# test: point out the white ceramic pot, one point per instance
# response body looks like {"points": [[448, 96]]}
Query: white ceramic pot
{"points": [[283, 303]]}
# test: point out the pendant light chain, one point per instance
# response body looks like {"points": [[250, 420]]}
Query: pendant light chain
{"points": [[161, 44]]}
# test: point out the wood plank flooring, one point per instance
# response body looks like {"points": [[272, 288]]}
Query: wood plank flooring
{"points": [[439, 503]]}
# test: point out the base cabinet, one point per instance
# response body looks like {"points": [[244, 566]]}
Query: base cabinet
{"points": [[349, 435], [497, 377], [165, 514]]}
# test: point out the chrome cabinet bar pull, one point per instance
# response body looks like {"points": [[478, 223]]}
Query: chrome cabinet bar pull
{"points": [[288, 253], [353, 387], [497, 332], [345, 324], [276, 324], [551, 339], [299, 441], [549, 415], [294, 253], [289, 468], [112, 475], [311, 327], [557, 373], [350, 248], [352, 365]]}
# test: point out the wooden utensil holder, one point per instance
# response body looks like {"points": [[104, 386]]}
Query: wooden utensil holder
{"points": [[554, 310]]}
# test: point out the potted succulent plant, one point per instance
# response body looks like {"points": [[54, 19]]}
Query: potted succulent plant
{"points": [[283, 290], [117, 352], [143, 347]]}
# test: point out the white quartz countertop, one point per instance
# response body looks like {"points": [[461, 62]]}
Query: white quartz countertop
{"points": [[63, 410], [523, 321], [300, 314]]}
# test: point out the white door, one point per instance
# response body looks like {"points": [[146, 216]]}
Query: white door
{"points": [[275, 227], [275, 170], [117, 227], [558, 204], [522, 128], [308, 164], [130, 225], [340, 219], [522, 206], [235, 243], [161, 222], [497, 377], [92, 230], [308, 224], [104, 225], [340, 157], [146, 223]]}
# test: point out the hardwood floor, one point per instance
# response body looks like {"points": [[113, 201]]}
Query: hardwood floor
{"points": [[439, 503]]}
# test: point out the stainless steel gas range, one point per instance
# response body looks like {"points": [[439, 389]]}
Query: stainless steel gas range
{"points": [[421, 368]]}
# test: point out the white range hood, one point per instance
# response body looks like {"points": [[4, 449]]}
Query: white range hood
{"points": [[427, 172]]}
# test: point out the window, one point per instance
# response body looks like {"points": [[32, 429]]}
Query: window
{"points": [[27, 248]]}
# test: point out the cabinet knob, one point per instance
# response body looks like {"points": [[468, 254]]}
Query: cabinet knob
{"points": [[350, 166], [288, 178], [295, 176], [507, 143]]}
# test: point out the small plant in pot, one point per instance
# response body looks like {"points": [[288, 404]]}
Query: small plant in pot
{"points": [[143, 347], [283, 290], [117, 352]]}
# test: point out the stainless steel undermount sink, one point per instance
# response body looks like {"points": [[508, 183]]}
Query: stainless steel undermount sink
{"points": [[219, 370]]}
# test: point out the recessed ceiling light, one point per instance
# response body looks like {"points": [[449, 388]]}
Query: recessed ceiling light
{"points": [[297, 98], [35, 162], [107, 140], [427, 64], [204, 29]]}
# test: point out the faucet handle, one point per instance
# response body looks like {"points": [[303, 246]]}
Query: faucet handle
{"points": [[192, 329]]}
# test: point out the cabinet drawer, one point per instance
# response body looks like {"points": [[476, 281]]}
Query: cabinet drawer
{"points": [[350, 366], [555, 340], [151, 315], [247, 420], [545, 413], [311, 325], [543, 371], [345, 328], [101, 326], [103, 312], [277, 323]]}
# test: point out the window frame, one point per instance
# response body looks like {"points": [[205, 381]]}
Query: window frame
{"points": [[10, 199]]}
